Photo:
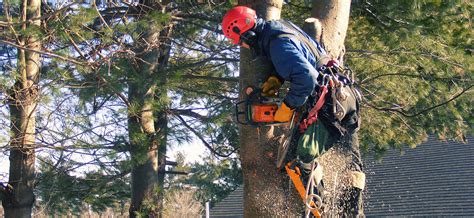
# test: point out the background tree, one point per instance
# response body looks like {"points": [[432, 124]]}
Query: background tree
{"points": [[94, 60], [213, 179], [414, 70], [146, 123], [18, 196]]}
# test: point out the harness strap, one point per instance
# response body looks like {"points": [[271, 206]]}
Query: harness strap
{"points": [[313, 114], [321, 57], [298, 34], [295, 176]]}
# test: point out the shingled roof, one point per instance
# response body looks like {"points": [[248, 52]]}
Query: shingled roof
{"points": [[230, 207], [434, 179]]}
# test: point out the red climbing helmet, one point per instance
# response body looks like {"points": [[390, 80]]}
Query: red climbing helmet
{"points": [[237, 21]]}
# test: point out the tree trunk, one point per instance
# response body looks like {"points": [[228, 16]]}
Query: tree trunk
{"points": [[330, 20], [333, 16], [265, 189], [24, 98], [147, 123], [265, 193], [144, 154]]}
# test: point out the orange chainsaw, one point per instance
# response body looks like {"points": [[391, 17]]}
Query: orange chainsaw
{"points": [[256, 109]]}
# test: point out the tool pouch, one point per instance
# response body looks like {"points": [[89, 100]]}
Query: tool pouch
{"points": [[312, 142]]}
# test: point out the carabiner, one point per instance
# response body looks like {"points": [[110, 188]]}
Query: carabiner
{"points": [[326, 80]]}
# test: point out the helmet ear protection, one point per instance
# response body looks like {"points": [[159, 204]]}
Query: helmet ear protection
{"points": [[249, 37]]}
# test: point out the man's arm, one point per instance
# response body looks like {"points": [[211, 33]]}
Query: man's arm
{"points": [[291, 64]]}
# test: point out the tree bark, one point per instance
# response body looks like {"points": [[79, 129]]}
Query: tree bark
{"points": [[265, 189], [19, 198], [147, 123], [333, 16], [328, 25]]}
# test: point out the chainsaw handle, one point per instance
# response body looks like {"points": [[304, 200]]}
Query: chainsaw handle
{"points": [[239, 113]]}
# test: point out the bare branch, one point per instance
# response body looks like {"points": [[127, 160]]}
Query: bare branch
{"points": [[371, 13], [203, 140], [118, 93], [405, 114], [199, 16], [406, 51], [189, 113], [211, 78], [209, 94], [50, 54], [100, 15], [431, 77]]}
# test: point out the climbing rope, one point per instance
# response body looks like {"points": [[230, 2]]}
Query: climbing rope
{"points": [[313, 202]]}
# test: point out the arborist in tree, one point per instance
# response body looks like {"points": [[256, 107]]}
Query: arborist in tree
{"points": [[319, 90]]}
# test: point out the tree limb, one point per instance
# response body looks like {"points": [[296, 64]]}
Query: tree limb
{"points": [[212, 78], [50, 54], [189, 113], [405, 114], [202, 139], [415, 76], [405, 51]]}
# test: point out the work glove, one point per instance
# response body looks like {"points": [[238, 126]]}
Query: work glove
{"points": [[271, 86], [283, 114]]}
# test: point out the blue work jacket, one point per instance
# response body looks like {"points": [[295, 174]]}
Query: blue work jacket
{"points": [[291, 58]]}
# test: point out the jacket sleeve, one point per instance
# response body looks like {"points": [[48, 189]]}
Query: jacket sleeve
{"points": [[292, 65]]}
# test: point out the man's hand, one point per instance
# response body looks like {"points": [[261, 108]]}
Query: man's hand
{"points": [[283, 114], [271, 86]]}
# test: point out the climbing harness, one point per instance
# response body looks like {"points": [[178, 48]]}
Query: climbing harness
{"points": [[317, 51], [313, 114], [331, 91], [333, 81]]}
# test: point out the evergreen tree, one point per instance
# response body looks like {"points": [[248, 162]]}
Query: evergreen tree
{"points": [[411, 60], [212, 179], [103, 77], [22, 98], [414, 67]]}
